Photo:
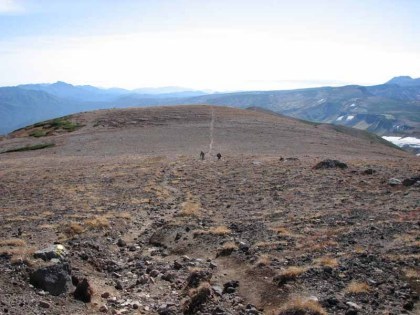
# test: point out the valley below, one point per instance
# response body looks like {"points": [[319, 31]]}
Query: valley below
{"points": [[125, 202]]}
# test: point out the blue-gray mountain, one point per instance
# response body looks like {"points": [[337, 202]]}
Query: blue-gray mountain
{"points": [[392, 108]]}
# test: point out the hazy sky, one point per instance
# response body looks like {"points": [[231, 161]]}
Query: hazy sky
{"points": [[214, 44]]}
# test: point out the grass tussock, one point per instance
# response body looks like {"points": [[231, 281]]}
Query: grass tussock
{"points": [[412, 274], [227, 249], [263, 260], [326, 261], [197, 297], [299, 305], [356, 287], [74, 228], [289, 274], [98, 222], [190, 209]]}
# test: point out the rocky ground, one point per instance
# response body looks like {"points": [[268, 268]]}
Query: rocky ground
{"points": [[155, 230]]}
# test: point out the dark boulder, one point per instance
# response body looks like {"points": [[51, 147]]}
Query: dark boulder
{"points": [[330, 164], [83, 291], [411, 181], [54, 279]]}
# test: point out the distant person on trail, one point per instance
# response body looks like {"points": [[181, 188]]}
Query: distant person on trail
{"points": [[202, 155], [219, 156]]}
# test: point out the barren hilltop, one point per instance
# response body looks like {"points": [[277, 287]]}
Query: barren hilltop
{"points": [[114, 212]]}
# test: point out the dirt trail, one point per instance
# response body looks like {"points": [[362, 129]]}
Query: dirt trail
{"points": [[211, 131]]}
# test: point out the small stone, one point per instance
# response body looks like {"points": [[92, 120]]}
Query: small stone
{"points": [[213, 265], [177, 265], [394, 182], [154, 273], [118, 285], [409, 306], [44, 304], [105, 295], [136, 306], [354, 305], [103, 309], [121, 243]]}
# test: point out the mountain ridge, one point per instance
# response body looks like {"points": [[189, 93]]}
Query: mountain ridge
{"points": [[385, 109]]}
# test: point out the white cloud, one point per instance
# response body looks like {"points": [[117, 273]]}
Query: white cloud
{"points": [[10, 7], [218, 59]]}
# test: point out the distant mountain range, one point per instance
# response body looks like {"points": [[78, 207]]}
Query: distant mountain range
{"points": [[392, 108]]}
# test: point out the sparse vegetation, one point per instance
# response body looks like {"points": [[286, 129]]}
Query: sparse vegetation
{"points": [[74, 228], [302, 306], [327, 261], [197, 297], [263, 260], [217, 230], [356, 287], [30, 148], [59, 123], [227, 249], [190, 209], [98, 222], [289, 274], [13, 242], [38, 133]]}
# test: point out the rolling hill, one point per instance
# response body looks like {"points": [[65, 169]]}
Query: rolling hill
{"points": [[139, 224]]}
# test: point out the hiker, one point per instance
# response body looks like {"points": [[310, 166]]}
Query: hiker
{"points": [[202, 155], [219, 156]]}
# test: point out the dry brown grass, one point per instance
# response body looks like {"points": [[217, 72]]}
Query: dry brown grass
{"points": [[263, 260], [218, 230], [289, 274], [197, 297], [120, 215], [282, 231], [190, 209], [74, 228], [97, 222], [299, 305], [356, 287], [13, 242], [412, 273], [227, 249], [326, 261], [17, 249]]}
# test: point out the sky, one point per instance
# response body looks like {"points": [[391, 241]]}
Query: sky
{"points": [[221, 45]]}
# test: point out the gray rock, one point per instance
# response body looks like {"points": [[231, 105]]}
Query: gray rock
{"points": [[217, 290], [54, 279], [394, 182], [354, 305], [52, 252]]}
